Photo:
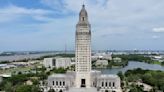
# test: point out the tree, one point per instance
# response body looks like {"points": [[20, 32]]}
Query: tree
{"points": [[23, 88], [136, 88], [162, 63], [51, 90], [120, 74], [8, 87], [35, 89]]}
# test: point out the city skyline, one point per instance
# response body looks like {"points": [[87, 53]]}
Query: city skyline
{"points": [[49, 24]]}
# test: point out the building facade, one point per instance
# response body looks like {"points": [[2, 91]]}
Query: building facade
{"points": [[62, 62], [48, 62], [83, 50], [57, 62], [61, 82], [102, 63]]}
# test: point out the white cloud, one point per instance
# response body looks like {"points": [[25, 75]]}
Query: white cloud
{"points": [[114, 22], [11, 13], [20, 10], [155, 36], [158, 30]]}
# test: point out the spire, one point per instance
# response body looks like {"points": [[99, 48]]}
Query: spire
{"points": [[83, 16], [83, 6]]}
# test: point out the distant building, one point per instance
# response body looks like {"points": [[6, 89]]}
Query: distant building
{"points": [[29, 82], [57, 62], [117, 59], [101, 62], [48, 62], [107, 57], [94, 58], [102, 56], [159, 57], [7, 66], [62, 62]]}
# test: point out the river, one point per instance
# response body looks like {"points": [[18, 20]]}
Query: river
{"points": [[133, 65]]}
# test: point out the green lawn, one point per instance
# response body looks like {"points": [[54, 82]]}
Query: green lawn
{"points": [[157, 62]]}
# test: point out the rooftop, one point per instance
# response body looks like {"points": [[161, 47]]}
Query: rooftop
{"points": [[108, 75]]}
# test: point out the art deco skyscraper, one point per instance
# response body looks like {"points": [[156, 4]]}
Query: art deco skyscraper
{"points": [[83, 50]]}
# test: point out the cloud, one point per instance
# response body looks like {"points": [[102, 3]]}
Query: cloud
{"points": [[155, 37], [55, 4], [116, 24], [12, 13], [158, 30], [20, 10]]}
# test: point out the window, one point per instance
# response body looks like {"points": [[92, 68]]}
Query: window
{"points": [[102, 84], [56, 83], [63, 83], [53, 83], [83, 18], [106, 84], [60, 83], [109, 84], [113, 84]]}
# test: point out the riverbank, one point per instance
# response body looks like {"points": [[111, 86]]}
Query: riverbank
{"points": [[139, 57], [132, 65]]}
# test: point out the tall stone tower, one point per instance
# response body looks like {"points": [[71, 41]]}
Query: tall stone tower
{"points": [[83, 50]]}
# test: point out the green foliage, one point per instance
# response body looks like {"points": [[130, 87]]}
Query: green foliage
{"points": [[136, 71], [136, 88], [123, 63], [59, 70], [66, 55], [93, 63], [162, 63], [42, 75], [42, 69], [4, 62], [51, 90], [8, 87], [153, 78], [35, 89], [134, 57], [27, 88], [23, 88], [16, 81], [120, 74]]}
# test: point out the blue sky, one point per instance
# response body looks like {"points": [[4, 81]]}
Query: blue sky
{"points": [[50, 24]]}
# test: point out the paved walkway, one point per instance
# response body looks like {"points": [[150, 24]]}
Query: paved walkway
{"points": [[82, 90]]}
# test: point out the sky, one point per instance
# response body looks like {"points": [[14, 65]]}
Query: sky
{"points": [[30, 25]]}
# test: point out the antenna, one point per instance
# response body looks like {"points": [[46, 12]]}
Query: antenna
{"points": [[65, 48], [83, 3]]}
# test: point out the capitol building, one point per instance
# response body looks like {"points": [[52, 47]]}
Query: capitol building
{"points": [[83, 79]]}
